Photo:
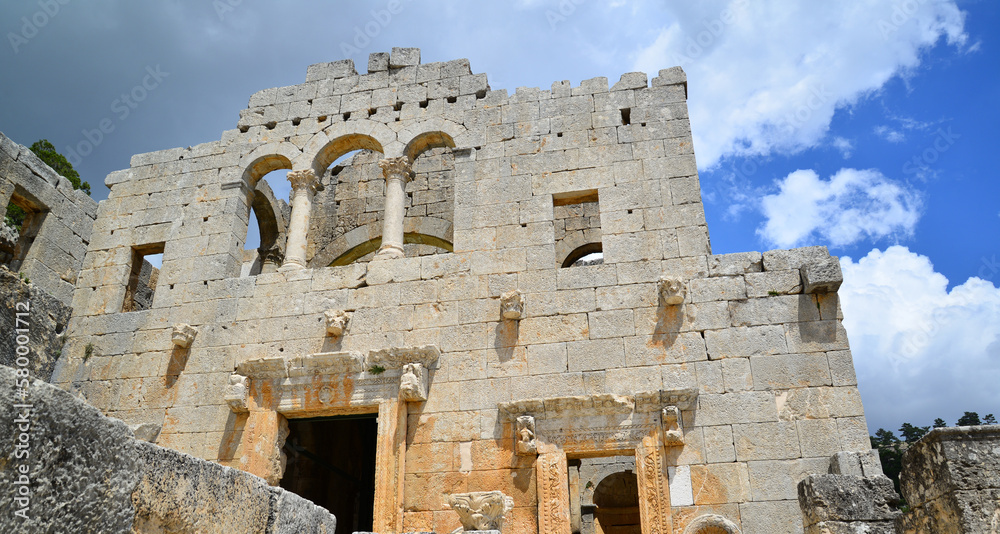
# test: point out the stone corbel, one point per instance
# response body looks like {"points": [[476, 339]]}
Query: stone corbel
{"points": [[481, 510], [672, 290], [673, 433], [512, 305], [237, 392], [524, 439], [822, 276], [183, 334], [413, 383], [336, 321]]}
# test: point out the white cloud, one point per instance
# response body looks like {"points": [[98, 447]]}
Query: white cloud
{"points": [[852, 205], [890, 135], [845, 146], [767, 77], [921, 351]]}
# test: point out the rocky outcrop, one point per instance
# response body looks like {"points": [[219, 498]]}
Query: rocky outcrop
{"points": [[33, 323], [70, 469]]}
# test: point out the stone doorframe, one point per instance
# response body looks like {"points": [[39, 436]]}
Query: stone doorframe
{"points": [[644, 424], [272, 390]]}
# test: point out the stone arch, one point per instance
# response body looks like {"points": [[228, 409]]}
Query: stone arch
{"points": [[616, 501], [579, 252], [711, 524], [272, 224], [574, 247], [432, 133], [340, 138], [267, 158], [363, 240]]}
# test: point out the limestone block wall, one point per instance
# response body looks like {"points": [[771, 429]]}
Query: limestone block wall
{"points": [[756, 372], [34, 325], [56, 233]]}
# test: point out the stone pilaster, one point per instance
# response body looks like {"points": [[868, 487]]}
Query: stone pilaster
{"points": [[391, 451], [654, 489], [304, 185], [397, 173], [553, 491]]}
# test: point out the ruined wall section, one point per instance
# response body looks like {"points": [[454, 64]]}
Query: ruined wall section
{"points": [[50, 248], [764, 350], [100, 478]]}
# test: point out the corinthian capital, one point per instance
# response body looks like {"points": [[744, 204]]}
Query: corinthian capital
{"points": [[396, 168], [304, 180]]}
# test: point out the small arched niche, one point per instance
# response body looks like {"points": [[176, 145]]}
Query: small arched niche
{"points": [[711, 524]]}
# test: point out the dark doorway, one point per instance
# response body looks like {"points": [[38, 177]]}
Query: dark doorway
{"points": [[331, 462]]}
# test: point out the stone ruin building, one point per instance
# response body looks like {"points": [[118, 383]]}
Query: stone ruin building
{"points": [[426, 338]]}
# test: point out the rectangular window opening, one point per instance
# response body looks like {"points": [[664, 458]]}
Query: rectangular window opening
{"points": [[22, 222], [626, 116], [144, 273], [331, 462], [577, 227]]}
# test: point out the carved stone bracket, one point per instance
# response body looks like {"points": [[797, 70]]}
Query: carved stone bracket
{"points": [[397, 357], [237, 393], [336, 321], [413, 383], [673, 433], [524, 444], [512, 305], [183, 334], [672, 290], [481, 510]]}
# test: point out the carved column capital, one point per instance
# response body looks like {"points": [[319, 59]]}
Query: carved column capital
{"points": [[303, 180], [398, 168]]}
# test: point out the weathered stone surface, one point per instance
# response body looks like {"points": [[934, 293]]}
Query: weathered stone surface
{"points": [[951, 480], [32, 316], [822, 276], [102, 479], [848, 498]]}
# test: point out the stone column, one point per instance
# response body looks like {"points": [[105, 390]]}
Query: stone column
{"points": [[304, 185], [389, 470], [654, 489], [552, 483], [397, 173]]}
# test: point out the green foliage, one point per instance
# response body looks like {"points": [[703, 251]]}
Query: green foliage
{"points": [[88, 351], [988, 419], [47, 153], [969, 419], [939, 423], [773, 293], [14, 216], [912, 433], [376, 369], [889, 452]]}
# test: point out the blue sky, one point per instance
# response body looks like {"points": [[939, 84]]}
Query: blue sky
{"points": [[867, 126]]}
